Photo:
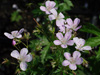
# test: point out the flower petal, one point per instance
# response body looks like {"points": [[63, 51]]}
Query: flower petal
{"points": [[79, 61], [14, 32], [77, 28], [19, 36], [54, 12], [69, 21], [76, 54], [61, 15], [23, 52], [64, 46], [52, 4], [86, 48], [8, 35], [47, 3], [59, 36], [42, 8], [60, 22], [67, 55], [51, 17], [68, 35], [65, 63], [15, 54], [21, 30], [70, 42], [23, 66], [72, 66], [57, 42], [28, 58], [76, 21]]}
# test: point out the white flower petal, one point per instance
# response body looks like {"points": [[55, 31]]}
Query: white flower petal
{"points": [[8, 35], [23, 66], [68, 35], [19, 36], [79, 61], [57, 42], [72, 66], [64, 46], [77, 28], [59, 36], [52, 4], [28, 58], [76, 21], [14, 32], [60, 15], [54, 12], [76, 54], [60, 22], [65, 63], [47, 3], [51, 17], [21, 30], [42, 8], [69, 21], [86, 48], [67, 55], [70, 42], [23, 52], [15, 54]]}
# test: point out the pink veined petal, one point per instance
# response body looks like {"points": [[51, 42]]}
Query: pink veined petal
{"points": [[76, 21], [51, 17], [64, 46], [76, 54], [70, 42], [14, 32], [8, 35], [19, 36], [47, 12], [77, 28], [57, 42], [59, 36], [47, 3], [86, 48], [54, 12], [42, 8], [81, 42], [21, 30], [65, 63], [68, 26], [23, 52], [79, 61], [61, 15], [68, 35], [28, 58], [62, 28], [69, 21], [23, 66], [53, 4], [60, 22], [72, 66], [76, 40], [67, 55], [15, 54]]}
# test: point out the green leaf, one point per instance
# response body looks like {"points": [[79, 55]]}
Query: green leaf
{"points": [[94, 41], [98, 54], [44, 53], [90, 28]]}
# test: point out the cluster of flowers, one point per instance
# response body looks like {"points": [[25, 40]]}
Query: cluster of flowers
{"points": [[67, 28], [23, 57]]}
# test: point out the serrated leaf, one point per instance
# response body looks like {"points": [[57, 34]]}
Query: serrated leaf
{"points": [[90, 28], [94, 41], [44, 53]]}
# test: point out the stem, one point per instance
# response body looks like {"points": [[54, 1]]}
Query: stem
{"points": [[16, 47], [24, 44]]}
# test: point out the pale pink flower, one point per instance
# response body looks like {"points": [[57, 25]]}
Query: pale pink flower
{"points": [[59, 17], [73, 25], [14, 34], [49, 5], [80, 44], [72, 61], [23, 57], [64, 40]]}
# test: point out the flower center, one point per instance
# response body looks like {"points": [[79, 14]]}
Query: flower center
{"points": [[72, 61], [63, 41]]}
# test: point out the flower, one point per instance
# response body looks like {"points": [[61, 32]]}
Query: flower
{"points": [[64, 40], [49, 5], [80, 44], [14, 34], [23, 57], [59, 17], [73, 25], [72, 61]]}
